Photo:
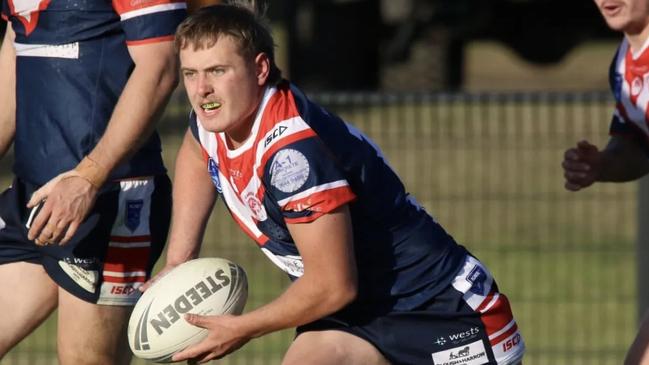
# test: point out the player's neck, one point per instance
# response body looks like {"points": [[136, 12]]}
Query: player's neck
{"points": [[638, 40]]}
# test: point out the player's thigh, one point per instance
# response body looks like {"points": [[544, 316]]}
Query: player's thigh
{"points": [[332, 347], [90, 333], [26, 286]]}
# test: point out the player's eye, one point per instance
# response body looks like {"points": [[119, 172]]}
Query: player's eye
{"points": [[188, 74], [217, 71]]}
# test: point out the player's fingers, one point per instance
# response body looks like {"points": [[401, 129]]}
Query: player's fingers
{"points": [[56, 232], [197, 320], [572, 186], [70, 230], [209, 357], [570, 165], [47, 235], [38, 223], [571, 155], [575, 176], [192, 352]]}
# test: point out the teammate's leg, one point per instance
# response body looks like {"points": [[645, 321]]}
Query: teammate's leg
{"points": [[639, 352], [332, 347], [90, 333], [28, 293]]}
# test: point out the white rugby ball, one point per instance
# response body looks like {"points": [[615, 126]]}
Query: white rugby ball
{"points": [[207, 286]]}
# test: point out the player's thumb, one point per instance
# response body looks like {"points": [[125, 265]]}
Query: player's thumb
{"points": [[39, 195], [196, 320]]}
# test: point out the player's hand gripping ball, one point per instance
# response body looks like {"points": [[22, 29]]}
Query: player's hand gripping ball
{"points": [[206, 286]]}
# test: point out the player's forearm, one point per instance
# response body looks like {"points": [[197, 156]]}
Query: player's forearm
{"points": [[139, 107], [622, 160], [7, 92], [305, 301], [194, 197]]}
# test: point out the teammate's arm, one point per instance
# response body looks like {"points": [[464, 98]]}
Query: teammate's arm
{"points": [[622, 160], [193, 196], [328, 284], [7, 91], [71, 195]]}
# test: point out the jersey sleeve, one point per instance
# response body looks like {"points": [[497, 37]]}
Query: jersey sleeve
{"points": [[305, 181], [149, 21]]}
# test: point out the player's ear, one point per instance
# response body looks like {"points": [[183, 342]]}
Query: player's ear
{"points": [[262, 68]]}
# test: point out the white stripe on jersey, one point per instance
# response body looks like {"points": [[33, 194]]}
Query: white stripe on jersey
{"points": [[152, 9], [125, 274], [315, 189], [502, 330], [69, 50]]}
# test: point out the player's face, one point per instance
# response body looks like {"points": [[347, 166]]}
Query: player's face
{"points": [[224, 88], [628, 16]]}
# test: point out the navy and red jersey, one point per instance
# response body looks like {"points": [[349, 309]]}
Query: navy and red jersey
{"points": [[629, 80], [72, 64], [301, 162]]}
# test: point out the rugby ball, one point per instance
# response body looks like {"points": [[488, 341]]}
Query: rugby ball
{"points": [[207, 286]]}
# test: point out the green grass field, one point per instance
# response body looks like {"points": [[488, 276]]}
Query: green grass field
{"points": [[489, 171]]}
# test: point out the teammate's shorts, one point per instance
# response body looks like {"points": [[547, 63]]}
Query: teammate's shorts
{"points": [[113, 250], [469, 323]]}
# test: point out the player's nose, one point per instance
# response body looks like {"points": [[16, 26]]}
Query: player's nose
{"points": [[203, 85]]}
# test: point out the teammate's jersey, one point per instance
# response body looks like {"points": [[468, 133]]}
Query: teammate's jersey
{"points": [[301, 162], [72, 64], [629, 80]]}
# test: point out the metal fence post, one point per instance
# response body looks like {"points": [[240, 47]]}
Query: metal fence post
{"points": [[642, 247]]}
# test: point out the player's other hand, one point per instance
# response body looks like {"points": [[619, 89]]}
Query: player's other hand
{"points": [[581, 165], [224, 337], [68, 200]]}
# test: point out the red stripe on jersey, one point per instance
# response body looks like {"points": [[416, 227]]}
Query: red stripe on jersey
{"points": [[322, 201], [139, 42], [124, 6], [128, 239], [486, 301], [498, 316], [4, 17], [118, 279], [280, 107], [127, 259], [504, 335]]}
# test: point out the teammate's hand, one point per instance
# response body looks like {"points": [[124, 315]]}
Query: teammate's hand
{"points": [[581, 165], [223, 337], [68, 199]]}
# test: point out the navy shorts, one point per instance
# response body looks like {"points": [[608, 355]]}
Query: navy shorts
{"points": [[113, 250], [469, 323]]}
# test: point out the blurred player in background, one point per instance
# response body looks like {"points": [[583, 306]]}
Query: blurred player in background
{"points": [[82, 84], [626, 156], [375, 279]]}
